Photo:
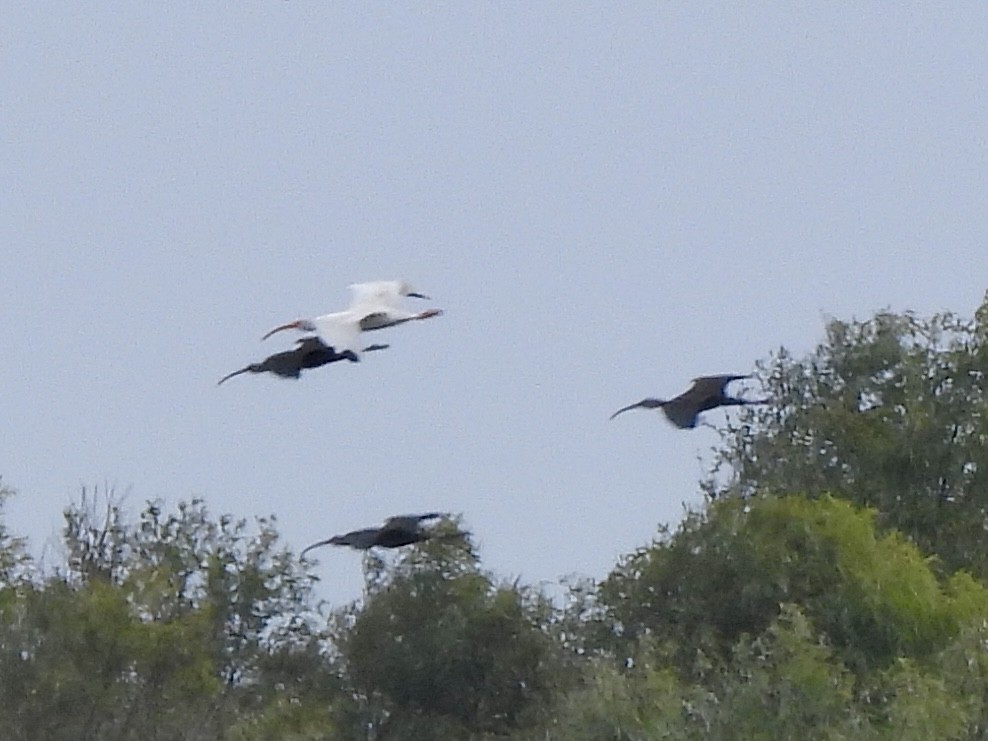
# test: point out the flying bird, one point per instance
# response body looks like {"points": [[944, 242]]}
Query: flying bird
{"points": [[309, 353], [394, 533], [707, 392], [374, 305]]}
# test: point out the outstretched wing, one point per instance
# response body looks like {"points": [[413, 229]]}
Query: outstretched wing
{"points": [[340, 331], [643, 404], [376, 295], [377, 305], [713, 385], [311, 344], [681, 412], [409, 522]]}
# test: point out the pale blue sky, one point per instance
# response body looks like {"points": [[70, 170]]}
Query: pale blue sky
{"points": [[607, 200]]}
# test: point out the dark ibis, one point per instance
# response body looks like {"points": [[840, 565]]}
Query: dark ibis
{"points": [[309, 353], [707, 392], [394, 533]]}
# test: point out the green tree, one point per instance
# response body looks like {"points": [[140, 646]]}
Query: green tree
{"points": [[176, 627], [725, 573], [778, 618], [890, 413], [440, 650], [15, 563], [783, 684], [643, 704]]}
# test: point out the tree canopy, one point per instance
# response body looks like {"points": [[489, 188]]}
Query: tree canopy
{"points": [[832, 587], [888, 413]]}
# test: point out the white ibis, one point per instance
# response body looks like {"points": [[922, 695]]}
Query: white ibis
{"points": [[310, 353], [707, 392], [375, 305], [394, 533]]}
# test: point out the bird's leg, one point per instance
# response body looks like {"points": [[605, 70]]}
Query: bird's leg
{"points": [[730, 401], [372, 348], [395, 321]]}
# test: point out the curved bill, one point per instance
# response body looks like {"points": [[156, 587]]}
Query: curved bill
{"points": [[297, 324], [228, 376], [643, 404], [622, 410], [328, 541]]}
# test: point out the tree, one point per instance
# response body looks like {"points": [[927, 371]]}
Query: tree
{"points": [[779, 618], [644, 704], [783, 684], [439, 650], [15, 563], [178, 627], [889, 413], [724, 574]]}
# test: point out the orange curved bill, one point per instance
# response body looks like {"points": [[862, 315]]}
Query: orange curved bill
{"points": [[290, 325]]}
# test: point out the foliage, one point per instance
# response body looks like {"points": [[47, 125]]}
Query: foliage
{"points": [[644, 704], [439, 650], [725, 573], [784, 684], [831, 588], [176, 627], [890, 413], [15, 564]]}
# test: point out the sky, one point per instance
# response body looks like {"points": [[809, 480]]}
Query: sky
{"points": [[606, 200]]}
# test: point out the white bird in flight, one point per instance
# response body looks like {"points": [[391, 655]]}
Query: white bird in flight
{"points": [[375, 305]]}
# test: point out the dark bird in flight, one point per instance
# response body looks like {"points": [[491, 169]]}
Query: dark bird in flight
{"points": [[309, 353], [707, 392], [394, 533]]}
